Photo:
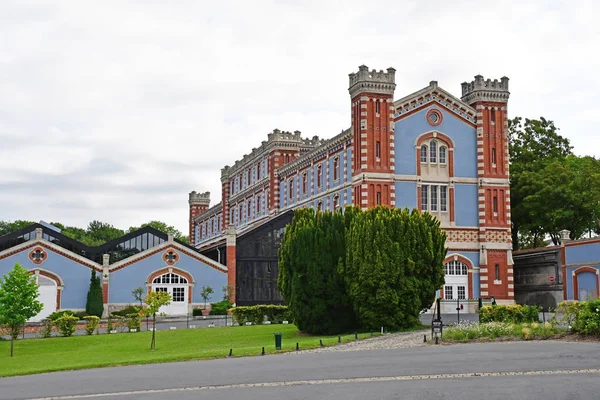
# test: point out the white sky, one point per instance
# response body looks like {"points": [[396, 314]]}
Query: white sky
{"points": [[116, 110]]}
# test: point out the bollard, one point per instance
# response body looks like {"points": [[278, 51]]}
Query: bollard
{"points": [[339, 339], [436, 340], [297, 346], [424, 338], [230, 353], [321, 342], [263, 352]]}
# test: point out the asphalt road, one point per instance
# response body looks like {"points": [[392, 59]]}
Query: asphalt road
{"points": [[526, 370]]}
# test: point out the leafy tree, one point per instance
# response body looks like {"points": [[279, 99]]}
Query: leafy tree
{"points": [[312, 249], [227, 291], [138, 294], [103, 232], [551, 189], [154, 301], [18, 301], [206, 292], [94, 304], [163, 227], [8, 227]]}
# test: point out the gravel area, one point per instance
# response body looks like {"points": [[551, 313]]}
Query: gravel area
{"points": [[388, 341]]}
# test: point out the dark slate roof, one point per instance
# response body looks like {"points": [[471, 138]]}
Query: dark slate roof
{"points": [[119, 248]]}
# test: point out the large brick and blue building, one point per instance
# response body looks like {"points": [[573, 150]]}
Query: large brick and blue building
{"points": [[429, 150]]}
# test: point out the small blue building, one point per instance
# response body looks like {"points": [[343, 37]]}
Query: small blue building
{"points": [[144, 258]]}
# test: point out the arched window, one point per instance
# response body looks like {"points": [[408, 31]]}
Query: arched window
{"points": [[291, 194], [423, 153], [319, 175], [433, 152], [336, 202], [170, 278], [442, 154], [336, 166], [320, 206], [456, 268]]}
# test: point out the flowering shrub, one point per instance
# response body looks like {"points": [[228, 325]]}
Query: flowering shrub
{"points": [[91, 323], [587, 318], [466, 331]]}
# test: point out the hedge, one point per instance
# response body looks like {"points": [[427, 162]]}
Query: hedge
{"points": [[220, 308], [582, 317], [258, 314], [515, 314]]}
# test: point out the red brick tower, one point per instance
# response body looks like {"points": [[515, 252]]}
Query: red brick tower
{"points": [[490, 98], [225, 192], [372, 97], [199, 203]]}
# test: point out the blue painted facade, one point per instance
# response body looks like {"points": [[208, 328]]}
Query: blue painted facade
{"points": [[466, 205], [76, 277], [582, 267]]}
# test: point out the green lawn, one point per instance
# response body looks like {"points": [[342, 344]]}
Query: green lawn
{"points": [[80, 352]]}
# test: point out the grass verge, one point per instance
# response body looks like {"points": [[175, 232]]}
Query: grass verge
{"points": [[81, 352]]}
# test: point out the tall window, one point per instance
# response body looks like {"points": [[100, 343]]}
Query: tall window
{"points": [[442, 154], [497, 272], [257, 204], [494, 156], [448, 293], [336, 202], [461, 292], [378, 198], [336, 165], [249, 207], [434, 198], [319, 175], [291, 194], [377, 106], [424, 197], [287, 158], [248, 178], [423, 153], [304, 183], [443, 198], [455, 268], [378, 149], [495, 201], [493, 115], [320, 206], [433, 152]]}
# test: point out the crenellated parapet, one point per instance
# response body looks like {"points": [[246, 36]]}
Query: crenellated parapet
{"points": [[200, 199], [485, 90], [365, 81]]}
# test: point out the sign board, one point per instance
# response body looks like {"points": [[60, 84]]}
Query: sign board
{"points": [[551, 279], [436, 326]]}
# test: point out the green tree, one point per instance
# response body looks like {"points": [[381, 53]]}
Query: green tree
{"points": [[206, 292], [94, 304], [18, 301], [534, 145], [8, 227], [154, 301], [103, 232], [163, 227], [138, 295]]}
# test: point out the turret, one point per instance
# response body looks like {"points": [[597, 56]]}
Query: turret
{"points": [[199, 203]]}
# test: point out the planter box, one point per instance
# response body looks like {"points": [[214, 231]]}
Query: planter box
{"points": [[205, 312]]}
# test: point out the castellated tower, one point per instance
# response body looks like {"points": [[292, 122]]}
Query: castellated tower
{"points": [[372, 100], [199, 203], [489, 99]]}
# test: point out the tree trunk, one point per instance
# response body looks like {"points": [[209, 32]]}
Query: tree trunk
{"points": [[12, 346], [153, 343]]}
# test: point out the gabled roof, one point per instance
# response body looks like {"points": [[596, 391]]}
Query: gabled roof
{"points": [[118, 249], [433, 93]]}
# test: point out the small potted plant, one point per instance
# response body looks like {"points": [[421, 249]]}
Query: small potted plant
{"points": [[207, 291]]}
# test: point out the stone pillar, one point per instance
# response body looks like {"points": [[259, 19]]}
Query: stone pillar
{"points": [[230, 236], [39, 234], [105, 276]]}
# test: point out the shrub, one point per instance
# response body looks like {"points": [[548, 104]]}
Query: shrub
{"points": [[491, 330], [67, 324], [95, 303], [220, 308], [109, 325], [58, 314], [127, 311], [91, 323], [587, 318], [257, 314], [197, 312], [80, 314], [134, 321], [47, 328], [515, 314]]}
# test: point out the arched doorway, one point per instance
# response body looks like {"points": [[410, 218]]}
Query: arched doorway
{"points": [[178, 287], [48, 296]]}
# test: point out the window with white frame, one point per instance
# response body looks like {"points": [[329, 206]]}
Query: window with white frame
{"points": [[319, 175], [448, 293], [442, 154], [178, 295], [455, 268], [434, 198], [433, 152], [320, 206], [336, 167], [336, 202], [424, 153], [461, 292]]}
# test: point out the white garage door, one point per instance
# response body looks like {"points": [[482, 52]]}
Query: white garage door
{"points": [[47, 296], [177, 286]]}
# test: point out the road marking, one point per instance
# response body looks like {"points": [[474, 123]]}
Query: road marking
{"points": [[324, 382]]}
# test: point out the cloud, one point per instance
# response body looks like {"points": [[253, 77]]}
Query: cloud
{"points": [[116, 110]]}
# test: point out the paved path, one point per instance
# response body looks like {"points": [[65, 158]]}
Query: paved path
{"points": [[549, 370]]}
